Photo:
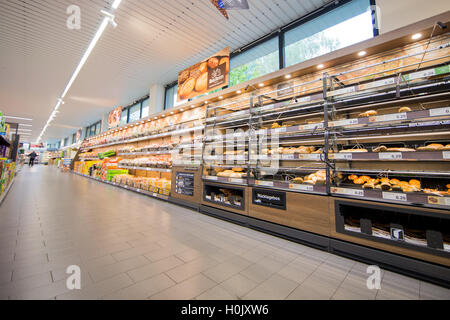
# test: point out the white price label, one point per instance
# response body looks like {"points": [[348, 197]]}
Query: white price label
{"points": [[288, 157], [303, 187], [350, 192], [341, 156], [347, 122], [154, 194], [440, 112], [264, 183], [235, 180], [395, 196], [380, 83], [446, 155], [395, 116], [278, 130], [313, 126], [342, 91], [390, 156], [212, 178], [443, 201]]}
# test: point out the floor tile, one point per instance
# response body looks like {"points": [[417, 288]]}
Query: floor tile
{"points": [[187, 289]]}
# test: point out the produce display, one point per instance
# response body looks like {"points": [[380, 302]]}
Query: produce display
{"points": [[156, 185]]}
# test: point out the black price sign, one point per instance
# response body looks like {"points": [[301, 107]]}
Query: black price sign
{"points": [[269, 198], [184, 183]]}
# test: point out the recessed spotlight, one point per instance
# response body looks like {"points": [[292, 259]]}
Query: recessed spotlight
{"points": [[239, 91], [206, 102], [362, 53], [261, 85], [163, 115], [192, 107], [171, 112], [288, 76], [416, 36], [320, 66], [181, 110], [156, 118], [221, 97]]}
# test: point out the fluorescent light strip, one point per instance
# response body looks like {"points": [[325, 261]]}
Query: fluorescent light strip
{"points": [[83, 60], [18, 118], [25, 125]]}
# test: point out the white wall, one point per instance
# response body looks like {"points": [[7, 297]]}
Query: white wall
{"points": [[156, 103], [400, 13]]}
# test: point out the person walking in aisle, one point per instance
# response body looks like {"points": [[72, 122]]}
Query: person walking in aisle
{"points": [[32, 156]]}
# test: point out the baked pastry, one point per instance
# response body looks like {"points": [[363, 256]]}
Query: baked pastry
{"points": [[213, 63], [368, 185], [385, 186], [195, 73], [203, 67], [380, 149], [369, 113], [446, 147], [394, 181], [415, 183], [448, 186], [238, 169], [400, 150], [353, 150], [202, 82], [187, 87], [359, 181], [397, 188], [352, 177], [404, 109], [298, 180], [365, 178], [431, 147], [275, 125], [227, 61], [183, 76]]}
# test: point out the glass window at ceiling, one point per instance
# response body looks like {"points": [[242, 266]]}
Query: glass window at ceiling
{"points": [[145, 108], [98, 128], [171, 98], [339, 28], [124, 117], [255, 62], [135, 112]]}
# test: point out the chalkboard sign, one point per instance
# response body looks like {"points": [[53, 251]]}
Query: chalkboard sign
{"points": [[184, 183], [269, 198]]}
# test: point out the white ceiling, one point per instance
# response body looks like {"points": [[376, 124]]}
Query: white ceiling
{"points": [[154, 40]]}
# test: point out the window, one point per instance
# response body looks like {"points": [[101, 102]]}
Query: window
{"points": [[145, 108], [346, 25], [124, 117], [135, 113], [98, 127], [171, 97], [74, 138], [255, 62], [66, 142]]}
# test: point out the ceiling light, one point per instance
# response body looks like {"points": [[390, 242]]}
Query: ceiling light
{"points": [[261, 85], [320, 66], [181, 110], [171, 112], [416, 36], [18, 118], [221, 97], [206, 102], [239, 91], [116, 4], [362, 53], [288, 76], [163, 115], [25, 125], [156, 118], [24, 130]]}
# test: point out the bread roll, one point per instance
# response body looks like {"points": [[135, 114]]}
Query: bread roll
{"points": [[298, 180], [187, 87], [353, 177], [404, 109], [202, 82], [400, 150], [380, 149], [213, 63], [227, 61], [359, 181], [415, 183], [431, 147]]}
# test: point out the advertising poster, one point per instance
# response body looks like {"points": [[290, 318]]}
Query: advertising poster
{"points": [[114, 117], [205, 76], [78, 136]]}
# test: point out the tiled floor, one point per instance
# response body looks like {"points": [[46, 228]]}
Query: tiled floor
{"points": [[130, 246]]}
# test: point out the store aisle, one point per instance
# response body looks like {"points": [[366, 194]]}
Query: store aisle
{"points": [[132, 247]]}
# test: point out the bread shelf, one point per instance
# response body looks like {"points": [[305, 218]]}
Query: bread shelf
{"points": [[391, 156], [145, 168]]}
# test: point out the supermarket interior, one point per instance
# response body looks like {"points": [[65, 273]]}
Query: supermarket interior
{"points": [[225, 150]]}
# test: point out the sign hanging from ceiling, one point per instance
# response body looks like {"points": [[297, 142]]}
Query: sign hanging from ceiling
{"points": [[114, 117], [205, 76], [234, 4]]}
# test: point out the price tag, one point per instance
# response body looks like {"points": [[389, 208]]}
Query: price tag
{"points": [[312, 126], [380, 83], [235, 180], [341, 156], [212, 178], [446, 155], [395, 196], [340, 123], [155, 195], [395, 117], [288, 157], [390, 156], [440, 112], [303, 187], [278, 130], [342, 91], [264, 183], [443, 201], [346, 191]]}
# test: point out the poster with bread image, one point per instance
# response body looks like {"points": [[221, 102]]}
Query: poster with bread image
{"points": [[206, 76]]}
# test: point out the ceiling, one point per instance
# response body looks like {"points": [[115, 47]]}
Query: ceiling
{"points": [[154, 40]]}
